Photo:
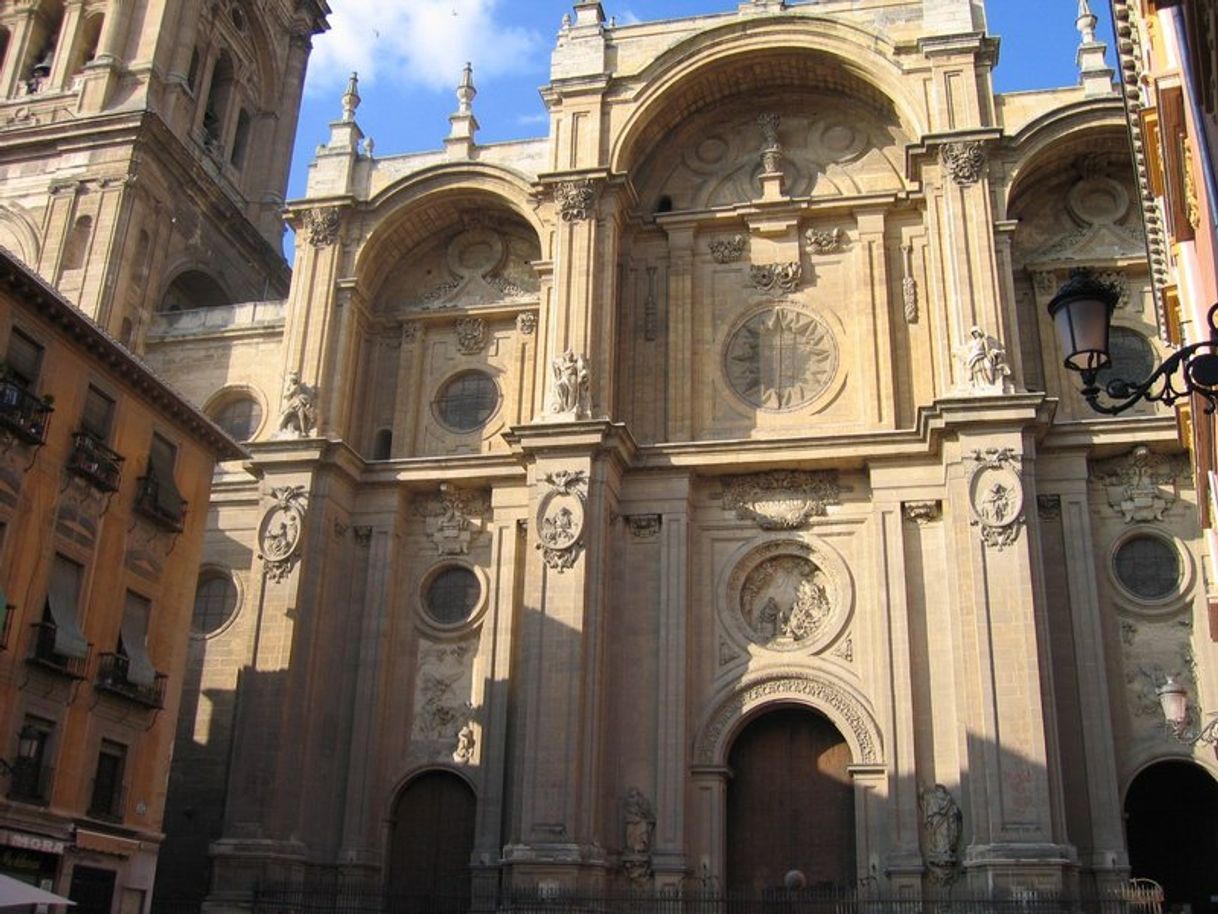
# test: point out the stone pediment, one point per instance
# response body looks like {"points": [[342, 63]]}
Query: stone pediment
{"points": [[1095, 244]]}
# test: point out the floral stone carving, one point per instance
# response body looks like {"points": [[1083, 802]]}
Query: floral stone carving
{"points": [[454, 518], [471, 335], [727, 250], [964, 162], [280, 532], [560, 519], [1142, 485], [321, 227], [996, 497], [776, 278], [825, 242], [781, 499], [576, 199]]}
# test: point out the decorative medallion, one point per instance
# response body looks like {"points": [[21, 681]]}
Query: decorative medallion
{"points": [[454, 518], [576, 199], [526, 322], [780, 358], [727, 250], [471, 335], [321, 226], [280, 532], [775, 278], [781, 499], [964, 162], [787, 595], [560, 518], [996, 496], [1141, 486], [825, 242]]}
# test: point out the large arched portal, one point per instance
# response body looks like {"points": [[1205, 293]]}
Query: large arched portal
{"points": [[1171, 825], [432, 840], [790, 803]]}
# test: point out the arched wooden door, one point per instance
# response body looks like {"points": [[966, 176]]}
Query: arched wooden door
{"points": [[1171, 826], [790, 803], [433, 838]]}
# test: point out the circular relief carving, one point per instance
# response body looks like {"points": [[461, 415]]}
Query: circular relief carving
{"points": [[452, 595], [1148, 567], [835, 141], [1098, 201], [475, 253], [780, 358], [787, 595]]}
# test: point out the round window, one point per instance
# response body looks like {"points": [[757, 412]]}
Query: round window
{"points": [[453, 595], [467, 401], [215, 602], [1148, 567], [240, 418]]}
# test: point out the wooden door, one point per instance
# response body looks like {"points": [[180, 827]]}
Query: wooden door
{"points": [[790, 803], [433, 838]]}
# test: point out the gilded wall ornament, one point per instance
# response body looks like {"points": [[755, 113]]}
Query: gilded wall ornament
{"points": [[526, 323], [321, 226], [825, 242], [780, 358], [942, 823], [1141, 486], [571, 396], [963, 162], [454, 518], [727, 250], [280, 532], [560, 519], [471, 335], [781, 499], [776, 278], [576, 199], [996, 496]]}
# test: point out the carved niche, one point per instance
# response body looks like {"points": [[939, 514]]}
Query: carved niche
{"points": [[560, 518], [781, 499], [281, 529], [942, 824], [1141, 486], [996, 498], [758, 375], [455, 518]]}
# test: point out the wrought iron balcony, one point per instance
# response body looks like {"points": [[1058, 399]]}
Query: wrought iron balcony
{"points": [[42, 653], [112, 676], [22, 413], [160, 501], [94, 462], [31, 782]]}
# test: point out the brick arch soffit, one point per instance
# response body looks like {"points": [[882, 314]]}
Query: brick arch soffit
{"points": [[819, 691], [853, 46], [396, 202]]}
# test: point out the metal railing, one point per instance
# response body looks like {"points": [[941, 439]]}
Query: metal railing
{"points": [[95, 463], [22, 413], [113, 676], [42, 652], [160, 501]]}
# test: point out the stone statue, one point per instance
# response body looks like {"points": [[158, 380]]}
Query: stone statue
{"points": [[296, 418], [985, 362], [572, 386], [640, 827], [944, 821]]}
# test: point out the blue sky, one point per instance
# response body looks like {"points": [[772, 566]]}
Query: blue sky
{"points": [[409, 54]]}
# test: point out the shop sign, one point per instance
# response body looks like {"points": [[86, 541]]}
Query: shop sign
{"points": [[38, 843]]}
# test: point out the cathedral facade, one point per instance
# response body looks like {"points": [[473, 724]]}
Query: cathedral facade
{"points": [[692, 495]]}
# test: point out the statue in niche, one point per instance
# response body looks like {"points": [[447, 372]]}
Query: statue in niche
{"points": [[944, 822], [640, 820], [985, 361], [297, 416], [572, 385]]}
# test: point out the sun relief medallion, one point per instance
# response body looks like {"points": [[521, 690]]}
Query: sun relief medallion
{"points": [[780, 358]]}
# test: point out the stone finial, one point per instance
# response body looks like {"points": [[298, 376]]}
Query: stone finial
{"points": [[466, 90], [351, 98], [1086, 22], [464, 126], [1095, 76]]}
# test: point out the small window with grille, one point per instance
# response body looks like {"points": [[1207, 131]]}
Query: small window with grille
{"points": [[467, 401]]}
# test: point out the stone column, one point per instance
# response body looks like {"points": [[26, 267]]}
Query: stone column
{"points": [[69, 43], [102, 73], [575, 472]]}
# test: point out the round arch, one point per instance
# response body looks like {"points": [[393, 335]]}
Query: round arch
{"points": [[398, 215], [192, 284], [849, 49], [764, 691], [18, 233]]}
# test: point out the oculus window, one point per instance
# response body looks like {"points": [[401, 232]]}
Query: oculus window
{"points": [[452, 595], [1148, 567], [467, 401]]}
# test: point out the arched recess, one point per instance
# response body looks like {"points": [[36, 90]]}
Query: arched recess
{"points": [[19, 234], [1171, 830], [783, 51], [790, 803], [191, 289], [431, 841]]}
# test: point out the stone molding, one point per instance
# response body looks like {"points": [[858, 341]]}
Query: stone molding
{"points": [[781, 499]]}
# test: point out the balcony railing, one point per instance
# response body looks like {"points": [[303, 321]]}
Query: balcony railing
{"points": [[112, 676], [30, 782], [23, 414], [42, 653], [159, 501], [95, 463]]}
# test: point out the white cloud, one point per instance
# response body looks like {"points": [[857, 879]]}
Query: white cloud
{"points": [[628, 17], [420, 42]]}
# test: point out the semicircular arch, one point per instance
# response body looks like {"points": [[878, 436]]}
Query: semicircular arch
{"points": [[17, 227], [766, 690], [836, 54]]}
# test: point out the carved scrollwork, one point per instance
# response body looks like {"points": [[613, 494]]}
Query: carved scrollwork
{"points": [[471, 335], [321, 226], [963, 162], [576, 200], [825, 242], [727, 250], [455, 518], [781, 499], [996, 496], [281, 529]]}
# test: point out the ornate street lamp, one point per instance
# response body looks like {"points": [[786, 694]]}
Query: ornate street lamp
{"points": [[1173, 699], [1082, 315]]}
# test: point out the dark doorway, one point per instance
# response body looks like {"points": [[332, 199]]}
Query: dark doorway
{"points": [[433, 838], [790, 803], [1171, 825], [92, 890]]}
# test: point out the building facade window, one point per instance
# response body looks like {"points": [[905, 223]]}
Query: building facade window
{"points": [[467, 401], [31, 777], [1148, 567], [215, 602], [61, 639], [240, 417], [452, 595], [158, 496], [106, 799]]}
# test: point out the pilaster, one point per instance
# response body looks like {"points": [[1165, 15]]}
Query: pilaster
{"points": [[680, 332]]}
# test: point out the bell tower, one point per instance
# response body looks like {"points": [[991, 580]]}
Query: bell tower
{"points": [[145, 147]]}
